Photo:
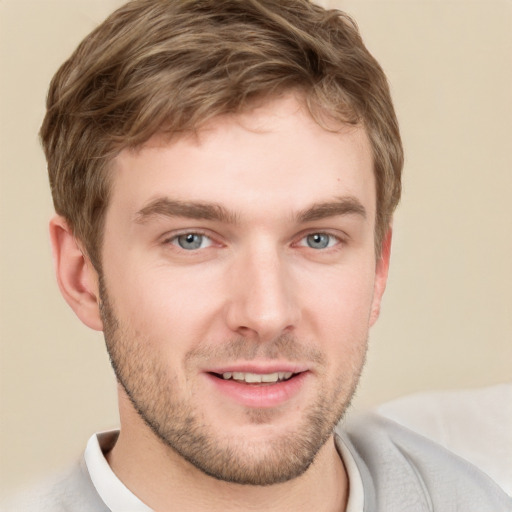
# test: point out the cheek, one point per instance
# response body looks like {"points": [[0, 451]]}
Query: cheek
{"points": [[164, 304], [339, 315], [341, 300]]}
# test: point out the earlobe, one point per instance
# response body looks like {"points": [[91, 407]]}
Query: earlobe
{"points": [[381, 276], [76, 276]]}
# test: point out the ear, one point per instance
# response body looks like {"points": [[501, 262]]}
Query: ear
{"points": [[76, 276], [381, 276]]}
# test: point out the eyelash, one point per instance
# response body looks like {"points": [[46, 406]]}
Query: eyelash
{"points": [[332, 242], [174, 239]]}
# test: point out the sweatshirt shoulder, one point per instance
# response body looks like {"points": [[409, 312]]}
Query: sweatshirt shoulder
{"points": [[401, 469], [70, 490]]}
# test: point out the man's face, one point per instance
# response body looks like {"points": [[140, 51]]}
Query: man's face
{"points": [[239, 283]]}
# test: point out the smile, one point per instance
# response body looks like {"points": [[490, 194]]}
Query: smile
{"points": [[257, 378], [257, 388]]}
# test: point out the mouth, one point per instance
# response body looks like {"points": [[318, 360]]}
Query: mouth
{"points": [[255, 378], [257, 386]]}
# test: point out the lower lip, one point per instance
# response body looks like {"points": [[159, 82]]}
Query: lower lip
{"points": [[260, 395]]}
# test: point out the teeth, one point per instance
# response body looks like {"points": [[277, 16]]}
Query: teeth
{"points": [[252, 378]]}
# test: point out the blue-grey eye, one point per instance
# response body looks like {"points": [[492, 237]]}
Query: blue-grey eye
{"points": [[319, 241], [192, 241]]}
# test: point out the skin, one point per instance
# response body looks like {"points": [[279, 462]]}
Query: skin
{"points": [[260, 293]]}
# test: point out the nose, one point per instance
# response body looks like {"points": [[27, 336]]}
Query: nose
{"points": [[262, 301]]}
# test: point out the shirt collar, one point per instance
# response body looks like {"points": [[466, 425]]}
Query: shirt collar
{"points": [[119, 498], [112, 491]]}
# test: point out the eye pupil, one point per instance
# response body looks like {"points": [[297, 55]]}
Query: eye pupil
{"points": [[318, 240], [190, 241]]}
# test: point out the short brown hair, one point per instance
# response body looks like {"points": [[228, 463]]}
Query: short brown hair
{"points": [[167, 66]]}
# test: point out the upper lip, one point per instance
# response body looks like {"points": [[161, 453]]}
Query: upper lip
{"points": [[261, 369]]}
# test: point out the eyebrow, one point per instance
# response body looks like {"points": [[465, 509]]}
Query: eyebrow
{"points": [[166, 207], [346, 205]]}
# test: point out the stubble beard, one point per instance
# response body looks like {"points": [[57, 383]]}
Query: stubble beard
{"points": [[155, 396]]}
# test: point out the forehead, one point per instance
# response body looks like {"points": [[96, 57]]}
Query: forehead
{"points": [[273, 156]]}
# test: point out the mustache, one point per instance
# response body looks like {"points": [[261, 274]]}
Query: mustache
{"points": [[284, 347]]}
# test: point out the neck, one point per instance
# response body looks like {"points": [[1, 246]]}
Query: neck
{"points": [[160, 477]]}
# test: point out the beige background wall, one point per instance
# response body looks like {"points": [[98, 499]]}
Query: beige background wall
{"points": [[447, 316]]}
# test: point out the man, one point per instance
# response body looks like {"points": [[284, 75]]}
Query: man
{"points": [[224, 175]]}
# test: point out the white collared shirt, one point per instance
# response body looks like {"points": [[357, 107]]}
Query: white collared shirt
{"points": [[119, 498], [112, 491]]}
